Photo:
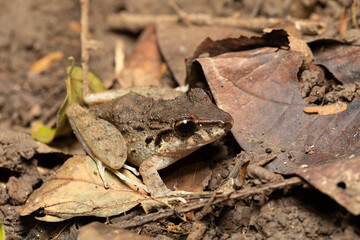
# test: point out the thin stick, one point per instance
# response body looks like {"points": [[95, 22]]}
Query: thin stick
{"points": [[84, 44], [353, 14], [137, 22], [241, 194]]}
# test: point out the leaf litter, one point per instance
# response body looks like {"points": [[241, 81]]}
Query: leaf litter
{"points": [[258, 225], [77, 190], [258, 85]]}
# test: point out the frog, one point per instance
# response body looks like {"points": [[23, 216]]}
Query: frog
{"points": [[150, 134]]}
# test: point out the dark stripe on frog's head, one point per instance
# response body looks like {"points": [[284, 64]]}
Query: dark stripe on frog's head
{"points": [[160, 135], [149, 139]]}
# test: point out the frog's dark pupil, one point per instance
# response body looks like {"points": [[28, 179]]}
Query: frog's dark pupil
{"points": [[185, 128]]}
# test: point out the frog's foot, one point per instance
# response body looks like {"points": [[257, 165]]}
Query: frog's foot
{"points": [[131, 169], [128, 180], [101, 168]]}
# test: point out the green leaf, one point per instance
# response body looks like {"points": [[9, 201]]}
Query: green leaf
{"points": [[46, 135], [95, 84], [2, 232]]}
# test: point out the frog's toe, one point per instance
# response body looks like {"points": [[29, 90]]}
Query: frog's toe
{"points": [[131, 169], [101, 169], [130, 181]]}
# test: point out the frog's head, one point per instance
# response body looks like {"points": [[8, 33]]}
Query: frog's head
{"points": [[195, 121]]}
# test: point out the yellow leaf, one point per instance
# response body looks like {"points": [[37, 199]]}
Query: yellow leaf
{"points": [[45, 62], [46, 135], [2, 232], [42, 133]]}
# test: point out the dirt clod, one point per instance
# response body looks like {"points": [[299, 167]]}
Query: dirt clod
{"points": [[14, 148]]}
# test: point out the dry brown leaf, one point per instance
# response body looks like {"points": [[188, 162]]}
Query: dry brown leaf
{"points": [[259, 88], [76, 189], [328, 109], [340, 180], [179, 42], [100, 231], [342, 60], [190, 174], [44, 63], [145, 66]]}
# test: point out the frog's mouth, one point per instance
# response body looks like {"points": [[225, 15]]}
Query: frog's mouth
{"points": [[181, 147]]}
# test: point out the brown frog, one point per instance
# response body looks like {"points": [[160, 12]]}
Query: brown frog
{"points": [[150, 134]]}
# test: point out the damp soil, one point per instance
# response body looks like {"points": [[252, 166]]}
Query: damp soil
{"points": [[34, 28]]}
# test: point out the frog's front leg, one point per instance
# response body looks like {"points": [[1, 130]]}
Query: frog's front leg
{"points": [[151, 178], [101, 141]]}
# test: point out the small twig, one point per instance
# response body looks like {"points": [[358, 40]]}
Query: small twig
{"points": [[266, 160], [136, 22], [119, 57], [68, 79], [181, 13], [84, 44], [62, 230], [241, 194], [256, 8], [343, 23], [353, 13]]}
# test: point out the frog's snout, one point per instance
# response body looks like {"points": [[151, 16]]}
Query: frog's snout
{"points": [[229, 123]]}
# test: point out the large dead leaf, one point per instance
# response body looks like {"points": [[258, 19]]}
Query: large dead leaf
{"points": [[77, 190], [342, 60], [145, 66], [178, 42], [259, 88]]}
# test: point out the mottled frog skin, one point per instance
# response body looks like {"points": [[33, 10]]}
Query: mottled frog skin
{"points": [[153, 133]]}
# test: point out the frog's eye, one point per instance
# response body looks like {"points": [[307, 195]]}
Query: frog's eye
{"points": [[185, 127]]}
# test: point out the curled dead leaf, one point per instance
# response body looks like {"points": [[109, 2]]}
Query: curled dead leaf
{"points": [[338, 107]]}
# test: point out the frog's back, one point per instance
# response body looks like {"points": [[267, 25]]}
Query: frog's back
{"points": [[131, 107]]}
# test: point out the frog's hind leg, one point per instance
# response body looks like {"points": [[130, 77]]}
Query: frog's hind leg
{"points": [[101, 168], [128, 180]]}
